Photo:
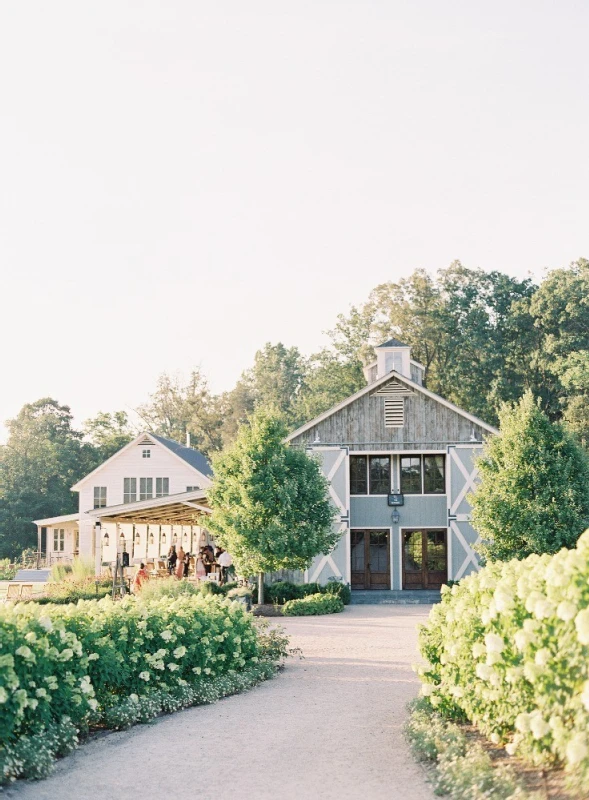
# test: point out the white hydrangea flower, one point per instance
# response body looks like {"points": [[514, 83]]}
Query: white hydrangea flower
{"points": [[522, 723], [494, 643], [478, 649], [3, 694], [522, 639], [566, 611], [427, 689], [542, 657], [581, 624], [179, 652], [166, 635], [538, 726], [484, 671], [144, 676], [543, 608], [576, 750], [46, 624]]}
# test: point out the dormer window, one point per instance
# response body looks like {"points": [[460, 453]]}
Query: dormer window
{"points": [[146, 453], [394, 361]]}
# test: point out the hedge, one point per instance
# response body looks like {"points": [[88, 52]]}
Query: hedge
{"points": [[64, 668], [281, 592], [313, 604], [508, 649]]}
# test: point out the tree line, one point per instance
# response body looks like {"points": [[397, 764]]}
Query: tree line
{"points": [[484, 338]]}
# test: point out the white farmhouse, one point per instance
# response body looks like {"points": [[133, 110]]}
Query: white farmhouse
{"points": [[146, 479]]}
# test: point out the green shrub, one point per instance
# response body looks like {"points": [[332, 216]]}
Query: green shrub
{"points": [[281, 592], [81, 661], [59, 572], [70, 590], [340, 589], [313, 604], [508, 649], [7, 570]]}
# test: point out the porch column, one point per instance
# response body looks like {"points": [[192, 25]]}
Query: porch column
{"points": [[38, 547]]}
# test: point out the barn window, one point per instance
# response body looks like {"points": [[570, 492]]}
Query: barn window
{"points": [[411, 474], [358, 475], [434, 474], [146, 453], [394, 412]]}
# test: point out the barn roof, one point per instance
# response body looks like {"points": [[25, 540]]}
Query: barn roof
{"points": [[392, 343]]}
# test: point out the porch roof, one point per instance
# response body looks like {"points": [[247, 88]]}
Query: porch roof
{"points": [[57, 520], [185, 508]]}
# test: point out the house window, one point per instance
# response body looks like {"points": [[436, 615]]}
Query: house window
{"points": [[379, 474], [434, 474], [58, 540], [411, 474], [99, 496], [358, 475], [162, 487], [129, 490], [394, 361], [370, 474], [146, 453], [145, 488], [192, 488]]}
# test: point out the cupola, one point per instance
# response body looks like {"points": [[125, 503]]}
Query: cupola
{"points": [[394, 355]]}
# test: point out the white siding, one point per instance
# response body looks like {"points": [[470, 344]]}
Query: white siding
{"points": [[131, 464]]}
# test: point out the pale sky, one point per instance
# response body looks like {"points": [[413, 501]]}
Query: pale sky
{"points": [[183, 181]]}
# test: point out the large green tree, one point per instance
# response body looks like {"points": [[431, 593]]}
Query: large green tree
{"points": [[108, 433], [43, 457], [533, 495], [271, 507]]}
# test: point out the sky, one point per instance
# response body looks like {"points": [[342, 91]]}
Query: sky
{"points": [[184, 181]]}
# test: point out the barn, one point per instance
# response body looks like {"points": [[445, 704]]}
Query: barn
{"points": [[400, 462]]}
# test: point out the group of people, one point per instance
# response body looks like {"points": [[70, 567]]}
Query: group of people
{"points": [[204, 563]]}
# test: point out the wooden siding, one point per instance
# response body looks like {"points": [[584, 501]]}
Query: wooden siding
{"points": [[360, 425]]}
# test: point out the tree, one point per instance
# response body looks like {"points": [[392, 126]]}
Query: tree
{"points": [[177, 408], [108, 433], [270, 502], [43, 458], [328, 379], [533, 496]]}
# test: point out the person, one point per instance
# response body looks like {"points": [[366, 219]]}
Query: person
{"points": [[225, 561], [208, 558], [186, 564], [172, 559], [200, 569], [180, 563], [140, 577]]}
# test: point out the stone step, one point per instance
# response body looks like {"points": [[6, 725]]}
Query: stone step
{"points": [[395, 597]]}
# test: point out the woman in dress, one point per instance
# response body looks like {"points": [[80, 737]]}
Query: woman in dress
{"points": [[172, 559], [200, 569], [180, 564], [186, 564]]}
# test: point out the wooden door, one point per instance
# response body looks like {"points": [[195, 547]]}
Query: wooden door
{"points": [[425, 562], [371, 563]]}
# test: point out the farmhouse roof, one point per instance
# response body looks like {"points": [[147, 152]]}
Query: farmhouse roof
{"points": [[392, 343], [193, 457]]}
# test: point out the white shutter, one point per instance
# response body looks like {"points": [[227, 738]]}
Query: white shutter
{"points": [[394, 413]]}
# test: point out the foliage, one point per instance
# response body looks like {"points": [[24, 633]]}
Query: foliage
{"points": [[509, 647], [7, 569], [90, 659], [281, 592], [108, 433], [461, 770], [270, 502], [70, 589], [177, 408], [239, 591], [273, 642], [534, 491], [44, 456], [313, 604]]}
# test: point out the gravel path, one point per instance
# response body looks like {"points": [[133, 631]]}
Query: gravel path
{"points": [[330, 726]]}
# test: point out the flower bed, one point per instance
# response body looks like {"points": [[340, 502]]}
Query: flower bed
{"points": [[508, 649], [65, 668], [313, 604]]}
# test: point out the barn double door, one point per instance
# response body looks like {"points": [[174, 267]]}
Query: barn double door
{"points": [[425, 559], [371, 561]]}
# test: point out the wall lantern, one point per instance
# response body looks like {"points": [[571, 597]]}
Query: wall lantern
{"points": [[164, 538], [395, 517], [151, 539], [121, 537], [185, 537], [137, 538], [105, 538]]}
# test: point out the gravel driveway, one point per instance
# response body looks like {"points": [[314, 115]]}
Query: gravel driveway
{"points": [[330, 726]]}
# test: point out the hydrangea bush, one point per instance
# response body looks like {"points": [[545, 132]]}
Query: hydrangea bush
{"points": [[63, 668], [508, 648]]}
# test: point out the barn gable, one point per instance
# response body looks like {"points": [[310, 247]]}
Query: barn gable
{"points": [[393, 413]]}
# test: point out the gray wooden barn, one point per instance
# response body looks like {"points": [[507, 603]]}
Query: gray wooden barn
{"points": [[400, 463]]}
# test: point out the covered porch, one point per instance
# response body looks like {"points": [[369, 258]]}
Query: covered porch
{"points": [[146, 529], [58, 540]]}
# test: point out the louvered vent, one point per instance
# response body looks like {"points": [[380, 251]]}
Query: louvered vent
{"points": [[145, 441], [394, 413]]}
